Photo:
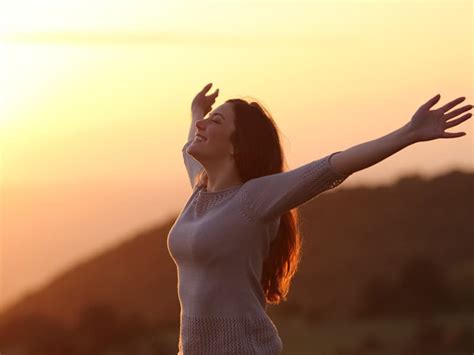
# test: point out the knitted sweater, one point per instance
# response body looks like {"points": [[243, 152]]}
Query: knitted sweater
{"points": [[219, 242]]}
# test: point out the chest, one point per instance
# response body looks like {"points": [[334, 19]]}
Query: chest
{"points": [[210, 232]]}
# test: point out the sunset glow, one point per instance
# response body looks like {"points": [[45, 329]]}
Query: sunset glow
{"points": [[95, 101]]}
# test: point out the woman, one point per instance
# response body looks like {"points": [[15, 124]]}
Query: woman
{"points": [[236, 242]]}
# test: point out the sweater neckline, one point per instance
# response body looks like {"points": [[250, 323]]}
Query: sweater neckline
{"points": [[205, 200], [203, 191]]}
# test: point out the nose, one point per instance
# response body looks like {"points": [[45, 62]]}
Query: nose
{"points": [[200, 123]]}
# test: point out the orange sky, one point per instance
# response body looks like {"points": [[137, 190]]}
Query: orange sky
{"points": [[95, 99]]}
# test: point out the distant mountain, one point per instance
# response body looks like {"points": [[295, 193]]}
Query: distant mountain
{"points": [[357, 243], [137, 276]]}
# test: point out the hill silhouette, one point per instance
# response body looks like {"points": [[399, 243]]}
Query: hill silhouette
{"points": [[367, 252]]}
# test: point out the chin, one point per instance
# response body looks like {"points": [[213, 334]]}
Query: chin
{"points": [[192, 149], [196, 144]]}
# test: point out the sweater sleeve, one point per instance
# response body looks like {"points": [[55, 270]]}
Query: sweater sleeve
{"points": [[272, 195], [193, 167]]}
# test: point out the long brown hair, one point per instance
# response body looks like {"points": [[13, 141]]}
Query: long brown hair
{"points": [[258, 152]]}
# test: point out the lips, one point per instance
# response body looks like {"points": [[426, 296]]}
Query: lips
{"points": [[200, 136]]}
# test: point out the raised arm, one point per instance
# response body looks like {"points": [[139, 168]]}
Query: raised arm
{"points": [[425, 125], [270, 196], [200, 107], [193, 167]]}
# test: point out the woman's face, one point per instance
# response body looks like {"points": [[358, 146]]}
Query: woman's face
{"points": [[216, 128]]}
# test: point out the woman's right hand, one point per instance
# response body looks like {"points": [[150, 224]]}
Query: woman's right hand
{"points": [[202, 104]]}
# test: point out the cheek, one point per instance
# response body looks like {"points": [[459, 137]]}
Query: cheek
{"points": [[217, 137], [216, 142]]}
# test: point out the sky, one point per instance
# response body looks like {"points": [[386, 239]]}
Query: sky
{"points": [[95, 104]]}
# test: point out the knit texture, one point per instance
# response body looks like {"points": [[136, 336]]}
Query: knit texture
{"points": [[219, 242]]}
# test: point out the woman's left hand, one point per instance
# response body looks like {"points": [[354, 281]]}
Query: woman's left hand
{"points": [[426, 125]]}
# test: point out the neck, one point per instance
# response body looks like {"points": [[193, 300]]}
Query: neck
{"points": [[222, 179], [213, 187]]}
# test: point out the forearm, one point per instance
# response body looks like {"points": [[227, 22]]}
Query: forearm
{"points": [[366, 154]]}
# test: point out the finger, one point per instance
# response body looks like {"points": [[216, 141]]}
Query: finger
{"points": [[458, 120], [453, 135], [457, 112], [451, 104], [206, 88], [427, 105], [214, 95]]}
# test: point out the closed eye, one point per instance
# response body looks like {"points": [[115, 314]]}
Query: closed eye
{"points": [[214, 120]]}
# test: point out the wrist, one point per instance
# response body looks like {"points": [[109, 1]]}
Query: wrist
{"points": [[197, 114], [407, 134]]}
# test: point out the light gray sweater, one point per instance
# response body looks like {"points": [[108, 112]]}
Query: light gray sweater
{"points": [[219, 242]]}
